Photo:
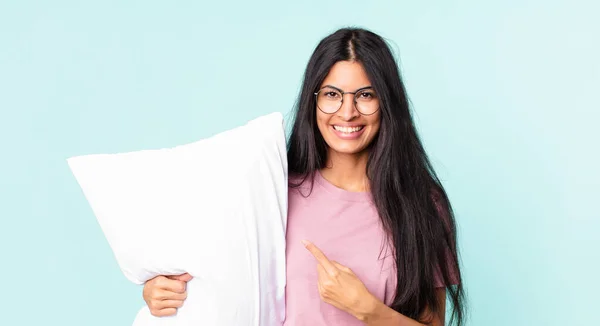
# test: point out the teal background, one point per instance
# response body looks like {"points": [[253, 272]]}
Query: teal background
{"points": [[505, 93]]}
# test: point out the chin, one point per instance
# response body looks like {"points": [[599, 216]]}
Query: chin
{"points": [[347, 149]]}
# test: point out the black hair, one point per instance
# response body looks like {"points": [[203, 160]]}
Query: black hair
{"points": [[409, 197]]}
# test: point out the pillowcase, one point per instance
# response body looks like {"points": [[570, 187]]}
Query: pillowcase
{"points": [[215, 208]]}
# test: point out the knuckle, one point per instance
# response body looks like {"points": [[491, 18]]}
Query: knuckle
{"points": [[160, 281], [155, 312], [179, 287], [148, 288], [155, 295], [153, 305]]}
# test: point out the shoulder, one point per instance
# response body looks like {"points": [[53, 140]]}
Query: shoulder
{"points": [[303, 182], [294, 179], [299, 186]]}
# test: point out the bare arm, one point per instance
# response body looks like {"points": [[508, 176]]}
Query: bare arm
{"points": [[340, 287], [382, 315]]}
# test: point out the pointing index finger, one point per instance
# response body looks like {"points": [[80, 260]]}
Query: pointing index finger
{"points": [[320, 256]]}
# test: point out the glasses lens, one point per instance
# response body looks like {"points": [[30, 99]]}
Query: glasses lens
{"points": [[366, 101], [329, 100]]}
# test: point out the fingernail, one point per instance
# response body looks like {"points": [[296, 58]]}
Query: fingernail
{"points": [[305, 242]]}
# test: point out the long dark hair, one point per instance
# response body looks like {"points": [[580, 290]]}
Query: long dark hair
{"points": [[410, 200]]}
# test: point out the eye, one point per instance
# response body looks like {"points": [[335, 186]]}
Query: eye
{"points": [[366, 95], [331, 94]]}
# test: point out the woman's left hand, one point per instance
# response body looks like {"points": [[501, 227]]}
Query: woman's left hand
{"points": [[340, 287]]}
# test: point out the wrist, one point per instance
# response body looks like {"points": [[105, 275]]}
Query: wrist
{"points": [[368, 309]]}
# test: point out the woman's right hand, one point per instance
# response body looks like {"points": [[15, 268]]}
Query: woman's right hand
{"points": [[165, 294]]}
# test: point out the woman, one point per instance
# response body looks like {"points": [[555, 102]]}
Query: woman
{"points": [[371, 234]]}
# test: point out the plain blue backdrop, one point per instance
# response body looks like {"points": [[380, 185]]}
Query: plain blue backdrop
{"points": [[505, 95]]}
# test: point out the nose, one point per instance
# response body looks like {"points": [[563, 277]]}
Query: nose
{"points": [[348, 111]]}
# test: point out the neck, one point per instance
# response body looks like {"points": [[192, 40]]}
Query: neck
{"points": [[347, 171]]}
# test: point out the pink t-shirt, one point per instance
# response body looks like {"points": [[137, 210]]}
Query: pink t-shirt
{"points": [[346, 227]]}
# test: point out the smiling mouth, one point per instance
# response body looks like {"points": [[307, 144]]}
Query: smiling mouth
{"points": [[348, 130]]}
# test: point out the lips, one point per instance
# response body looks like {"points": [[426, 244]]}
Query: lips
{"points": [[348, 130]]}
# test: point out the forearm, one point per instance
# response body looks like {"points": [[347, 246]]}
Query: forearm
{"points": [[381, 315]]}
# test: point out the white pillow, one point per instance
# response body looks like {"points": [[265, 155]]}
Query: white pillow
{"points": [[216, 208]]}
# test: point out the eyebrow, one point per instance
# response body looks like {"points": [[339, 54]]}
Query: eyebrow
{"points": [[339, 89]]}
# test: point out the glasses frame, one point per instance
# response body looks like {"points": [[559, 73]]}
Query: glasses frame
{"points": [[342, 101]]}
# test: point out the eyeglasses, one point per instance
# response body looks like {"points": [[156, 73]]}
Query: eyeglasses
{"points": [[329, 100]]}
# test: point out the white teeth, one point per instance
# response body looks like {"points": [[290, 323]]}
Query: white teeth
{"points": [[347, 129]]}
